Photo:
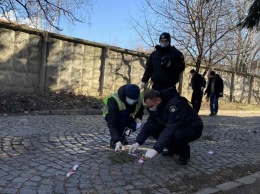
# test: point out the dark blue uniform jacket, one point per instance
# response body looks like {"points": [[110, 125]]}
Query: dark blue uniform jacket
{"points": [[173, 114], [160, 74]]}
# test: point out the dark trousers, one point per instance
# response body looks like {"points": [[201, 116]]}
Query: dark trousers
{"points": [[213, 103], [124, 120], [183, 137], [196, 99], [162, 86]]}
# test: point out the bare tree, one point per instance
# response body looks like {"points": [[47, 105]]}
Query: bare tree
{"points": [[240, 47], [242, 50], [198, 26], [44, 14], [147, 29]]}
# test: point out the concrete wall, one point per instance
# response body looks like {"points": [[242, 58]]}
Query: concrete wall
{"points": [[33, 61], [20, 57]]}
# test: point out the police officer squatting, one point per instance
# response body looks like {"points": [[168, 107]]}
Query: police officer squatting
{"points": [[123, 113], [172, 122]]}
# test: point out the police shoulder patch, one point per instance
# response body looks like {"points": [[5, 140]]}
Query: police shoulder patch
{"points": [[172, 108]]}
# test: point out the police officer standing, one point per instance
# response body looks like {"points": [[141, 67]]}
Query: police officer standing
{"points": [[123, 109], [164, 65], [198, 84], [172, 122]]}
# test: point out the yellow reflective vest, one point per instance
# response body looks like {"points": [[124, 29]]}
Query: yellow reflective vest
{"points": [[121, 105]]}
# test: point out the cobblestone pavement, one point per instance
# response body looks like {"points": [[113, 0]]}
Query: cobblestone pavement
{"points": [[36, 152]]}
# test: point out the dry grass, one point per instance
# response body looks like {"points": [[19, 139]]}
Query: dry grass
{"points": [[226, 105], [18, 103]]}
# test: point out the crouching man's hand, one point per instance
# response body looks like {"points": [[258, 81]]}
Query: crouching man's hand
{"points": [[150, 153], [139, 123], [118, 147], [142, 84], [133, 147]]}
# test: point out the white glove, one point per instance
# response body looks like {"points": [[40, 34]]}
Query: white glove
{"points": [[150, 153], [118, 147], [202, 88], [139, 123], [133, 147], [142, 85], [139, 126]]}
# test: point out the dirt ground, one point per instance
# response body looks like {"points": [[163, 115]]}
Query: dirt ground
{"points": [[203, 181], [20, 103]]}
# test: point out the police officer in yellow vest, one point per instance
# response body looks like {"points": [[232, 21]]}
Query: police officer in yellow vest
{"points": [[123, 110]]}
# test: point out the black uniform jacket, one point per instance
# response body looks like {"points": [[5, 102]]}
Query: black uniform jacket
{"points": [[198, 81], [113, 110], [218, 86], [173, 114], [161, 74]]}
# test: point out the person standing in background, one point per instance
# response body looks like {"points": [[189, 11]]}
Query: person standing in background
{"points": [[214, 91], [198, 84], [164, 65]]}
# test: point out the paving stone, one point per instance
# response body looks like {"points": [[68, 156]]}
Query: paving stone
{"points": [[59, 190], [208, 190], [128, 187], [42, 191], [228, 185], [246, 180], [31, 184], [45, 188], [35, 178], [164, 190], [51, 145], [9, 190], [3, 183], [15, 185], [73, 190], [136, 192], [256, 175], [28, 190]]}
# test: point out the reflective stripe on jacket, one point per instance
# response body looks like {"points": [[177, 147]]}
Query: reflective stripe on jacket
{"points": [[121, 105]]}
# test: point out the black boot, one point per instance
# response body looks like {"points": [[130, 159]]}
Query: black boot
{"points": [[182, 160], [170, 152], [184, 155]]}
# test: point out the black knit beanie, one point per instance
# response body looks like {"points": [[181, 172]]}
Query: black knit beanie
{"points": [[166, 36], [132, 91], [192, 71], [212, 73]]}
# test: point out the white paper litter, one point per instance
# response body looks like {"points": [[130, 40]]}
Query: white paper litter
{"points": [[210, 152], [70, 173], [141, 160], [75, 167], [73, 171]]}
